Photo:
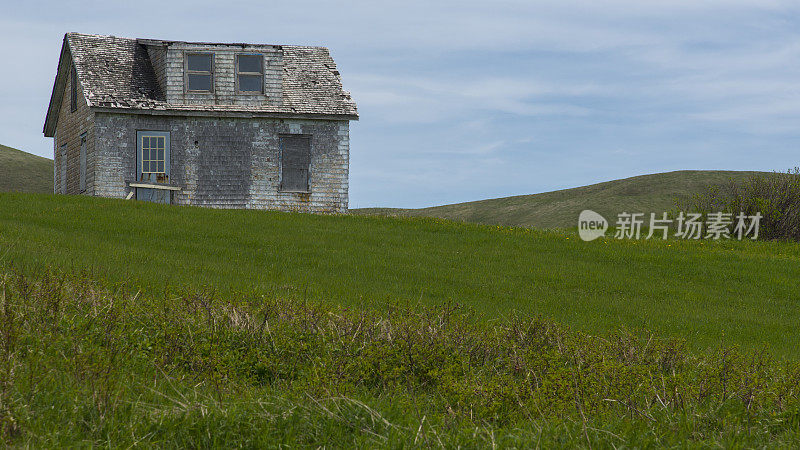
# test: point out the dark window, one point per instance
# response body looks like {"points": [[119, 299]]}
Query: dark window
{"points": [[200, 62], [295, 162], [73, 90], [63, 163], [250, 73], [199, 72], [82, 181]]}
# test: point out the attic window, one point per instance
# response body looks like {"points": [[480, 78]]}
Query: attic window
{"points": [[250, 73], [73, 90], [199, 72]]}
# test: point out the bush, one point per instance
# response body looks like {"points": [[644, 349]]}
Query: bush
{"points": [[81, 365], [775, 196]]}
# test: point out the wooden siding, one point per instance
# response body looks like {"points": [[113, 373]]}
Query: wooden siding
{"points": [[71, 125], [169, 66], [228, 162]]}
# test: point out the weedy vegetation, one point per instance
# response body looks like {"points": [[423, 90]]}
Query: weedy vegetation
{"points": [[126, 324], [85, 365]]}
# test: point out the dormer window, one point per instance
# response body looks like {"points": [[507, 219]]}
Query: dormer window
{"points": [[199, 72], [250, 73]]}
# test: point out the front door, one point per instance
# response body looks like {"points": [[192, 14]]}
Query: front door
{"points": [[152, 165]]}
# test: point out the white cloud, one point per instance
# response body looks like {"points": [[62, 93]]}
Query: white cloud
{"points": [[472, 96]]}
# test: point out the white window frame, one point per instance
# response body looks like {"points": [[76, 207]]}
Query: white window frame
{"points": [[162, 140]]}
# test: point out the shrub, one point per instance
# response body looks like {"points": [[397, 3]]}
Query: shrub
{"points": [[775, 196], [193, 369]]}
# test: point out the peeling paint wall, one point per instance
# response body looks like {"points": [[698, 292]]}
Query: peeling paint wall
{"points": [[227, 162]]}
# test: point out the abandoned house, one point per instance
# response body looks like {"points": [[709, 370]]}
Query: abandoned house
{"points": [[191, 123]]}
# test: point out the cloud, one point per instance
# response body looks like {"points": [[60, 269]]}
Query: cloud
{"points": [[468, 99]]}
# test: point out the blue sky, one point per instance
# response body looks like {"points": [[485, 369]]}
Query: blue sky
{"points": [[463, 100]]}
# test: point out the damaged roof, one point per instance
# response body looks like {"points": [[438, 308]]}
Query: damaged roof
{"points": [[117, 73]]}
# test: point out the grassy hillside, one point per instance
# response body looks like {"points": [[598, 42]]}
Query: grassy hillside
{"points": [[132, 324], [559, 209], [23, 172], [708, 292]]}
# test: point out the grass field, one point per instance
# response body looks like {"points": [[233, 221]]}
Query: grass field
{"points": [[707, 292], [83, 366], [23, 172], [132, 324], [559, 209]]}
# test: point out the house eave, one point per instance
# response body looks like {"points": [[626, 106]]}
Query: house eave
{"points": [[56, 97], [231, 114]]}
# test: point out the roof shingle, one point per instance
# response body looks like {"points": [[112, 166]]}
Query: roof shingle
{"points": [[117, 73]]}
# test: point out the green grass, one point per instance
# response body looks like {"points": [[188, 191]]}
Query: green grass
{"points": [[82, 366], [24, 172], [559, 209], [134, 324], [710, 293]]}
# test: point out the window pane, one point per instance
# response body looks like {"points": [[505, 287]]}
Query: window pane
{"points": [[161, 142], [161, 166], [145, 142], [250, 83], [201, 62], [250, 63], [161, 154], [146, 166], [199, 82]]}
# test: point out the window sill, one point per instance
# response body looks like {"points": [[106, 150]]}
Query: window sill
{"points": [[166, 187]]}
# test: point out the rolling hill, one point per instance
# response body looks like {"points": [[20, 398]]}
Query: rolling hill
{"points": [[125, 323], [360, 261], [24, 172], [559, 209]]}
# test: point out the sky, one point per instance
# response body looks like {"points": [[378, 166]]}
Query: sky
{"points": [[466, 100]]}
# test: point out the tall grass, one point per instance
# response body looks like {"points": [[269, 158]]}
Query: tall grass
{"points": [[742, 293], [82, 365]]}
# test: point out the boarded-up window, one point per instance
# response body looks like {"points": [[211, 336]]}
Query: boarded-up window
{"points": [[199, 72], [83, 163], [295, 162], [73, 90]]}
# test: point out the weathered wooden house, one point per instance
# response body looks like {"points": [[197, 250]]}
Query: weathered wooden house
{"points": [[191, 123]]}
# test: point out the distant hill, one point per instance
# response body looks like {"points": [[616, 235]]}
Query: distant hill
{"points": [[24, 172], [559, 209]]}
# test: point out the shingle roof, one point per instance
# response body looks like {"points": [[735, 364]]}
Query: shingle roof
{"points": [[117, 73]]}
